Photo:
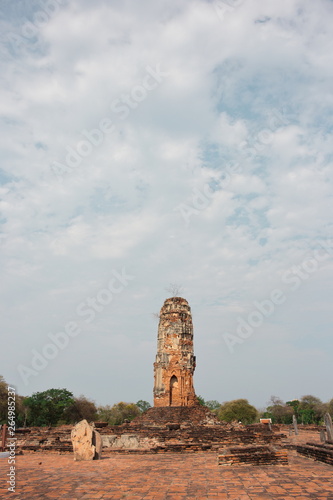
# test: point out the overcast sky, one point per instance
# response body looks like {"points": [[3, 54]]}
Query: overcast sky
{"points": [[148, 143]]}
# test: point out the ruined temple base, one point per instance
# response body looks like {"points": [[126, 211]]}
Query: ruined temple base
{"points": [[184, 429], [316, 451], [253, 455], [178, 415], [178, 429]]}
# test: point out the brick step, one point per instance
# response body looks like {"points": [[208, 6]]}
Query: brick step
{"points": [[318, 452], [259, 455]]}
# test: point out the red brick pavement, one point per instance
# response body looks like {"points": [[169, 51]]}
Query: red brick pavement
{"points": [[164, 477]]}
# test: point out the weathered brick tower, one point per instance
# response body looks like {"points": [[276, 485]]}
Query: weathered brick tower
{"points": [[175, 362]]}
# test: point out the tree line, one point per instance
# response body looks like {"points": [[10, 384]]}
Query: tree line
{"points": [[307, 410], [59, 406]]}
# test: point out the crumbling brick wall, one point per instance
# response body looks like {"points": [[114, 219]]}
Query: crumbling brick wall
{"points": [[316, 451]]}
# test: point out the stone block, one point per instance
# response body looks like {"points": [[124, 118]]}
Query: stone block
{"points": [[86, 441]]}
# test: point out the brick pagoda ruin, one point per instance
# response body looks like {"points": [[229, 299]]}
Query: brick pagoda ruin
{"points": [[175, 360]]}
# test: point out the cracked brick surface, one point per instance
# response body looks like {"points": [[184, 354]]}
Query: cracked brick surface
{"points": [[164, 477]]}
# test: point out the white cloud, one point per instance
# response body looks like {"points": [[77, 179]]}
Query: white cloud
{"points": [[237, 128]]}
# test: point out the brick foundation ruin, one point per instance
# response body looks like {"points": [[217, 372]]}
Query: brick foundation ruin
{"points": [[253, 455], [316, 451], [181, 429], [44, 439], [159, 430]]}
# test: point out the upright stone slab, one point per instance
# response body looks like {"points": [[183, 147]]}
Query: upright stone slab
{"points": [[295, 425], [87, 443], [98, 443], [329, 427], [175, 360], [322, 436]]}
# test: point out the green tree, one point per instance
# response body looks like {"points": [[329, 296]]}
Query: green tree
{"points": [[21, 411], [82, 408], [201, 401], [213, 405], [278, 411], [118, 413], [311, 410], [19, 408], [238, 409], [3, 400], [105, 414], [294, 404], [143, 405], [48, 407]]}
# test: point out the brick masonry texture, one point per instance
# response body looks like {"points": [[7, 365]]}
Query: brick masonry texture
{"points": [[175, 360], [252, 455], [321, 452], [44, 476], [159, 430]]}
